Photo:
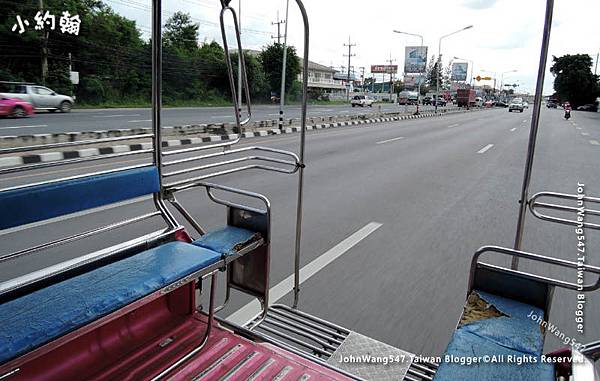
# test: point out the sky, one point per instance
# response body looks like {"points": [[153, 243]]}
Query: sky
{"points": [[506, 35]]}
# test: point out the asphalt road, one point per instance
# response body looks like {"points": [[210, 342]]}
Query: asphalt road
{"points": [[439, 187], [94, 120]]}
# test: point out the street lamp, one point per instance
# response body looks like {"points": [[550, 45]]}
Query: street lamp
{"points": [[472, 66], [421, 76], [437, 81]]}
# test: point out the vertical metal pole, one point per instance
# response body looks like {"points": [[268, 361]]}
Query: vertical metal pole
{"points": [[301, 156], [283, 71], [437, 75], [240, 57], [534, 130], [420, 78], [157, 104]]}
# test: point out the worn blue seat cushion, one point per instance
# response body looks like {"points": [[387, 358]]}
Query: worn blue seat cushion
{"points": [[514, 335], [25, 205], [43, 315], [227, 241], [497, 366]]}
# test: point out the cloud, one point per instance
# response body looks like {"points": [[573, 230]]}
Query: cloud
{"points": [[479, 4]]}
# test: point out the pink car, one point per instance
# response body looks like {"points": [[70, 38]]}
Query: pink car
{"points": [[15, 108]]}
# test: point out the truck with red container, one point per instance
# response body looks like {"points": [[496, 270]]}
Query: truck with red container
{"points": [[465, 97]]}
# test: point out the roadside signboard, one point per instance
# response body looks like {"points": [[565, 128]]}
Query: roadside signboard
{"points": [[415, 59], [459, 71], [384, 69], [413, 80]]}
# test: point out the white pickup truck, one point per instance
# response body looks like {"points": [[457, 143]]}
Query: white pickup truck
{"points": [[40, 97], [361, 100]]}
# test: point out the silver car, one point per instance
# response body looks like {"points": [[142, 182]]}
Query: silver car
{"points": [[41, 97]]}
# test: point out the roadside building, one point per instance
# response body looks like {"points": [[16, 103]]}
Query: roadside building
{"points": [[321, 82]]}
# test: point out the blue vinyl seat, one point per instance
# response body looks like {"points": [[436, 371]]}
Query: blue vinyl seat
{"points": [[513, 336], [228, 240], [46, 314]]}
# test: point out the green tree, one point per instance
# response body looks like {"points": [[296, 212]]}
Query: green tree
{"points": [[259, 87], [181, 33], [574, 80], [432, 73], [271, 59]]}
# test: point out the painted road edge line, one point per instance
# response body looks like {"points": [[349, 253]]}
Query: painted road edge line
{"points": [[250, 310], [390, 140], [485, 149], [595, 142]]}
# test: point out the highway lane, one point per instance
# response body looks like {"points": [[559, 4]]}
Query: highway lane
{"points": [[93, 120], [438, 195]]}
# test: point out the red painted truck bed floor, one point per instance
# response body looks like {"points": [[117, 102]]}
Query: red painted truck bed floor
{"points": [[225, 357]]}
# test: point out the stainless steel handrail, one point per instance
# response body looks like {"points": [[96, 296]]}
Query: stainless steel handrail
{"points": [[535, 121], [58, 163], [60, 268], [231, 152], [229, 162], [228, 172], [40, 147], [535, 257], [535, 205], [224, 8], [76, 237]]}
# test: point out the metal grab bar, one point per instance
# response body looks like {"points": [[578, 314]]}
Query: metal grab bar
{"points": [[229, 162], [228, 172], [536, 257], [225, 7], [75, 143], [534, 205], [231, 152], [224, 188]]}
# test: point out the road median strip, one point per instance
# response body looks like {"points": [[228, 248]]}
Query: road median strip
{"points": [[12, 161]]}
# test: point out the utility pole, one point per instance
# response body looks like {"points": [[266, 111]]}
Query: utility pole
{"points": [[350, 45], [391, 61], [278, 23], [283, 70], [596, 68], [44, 48]]}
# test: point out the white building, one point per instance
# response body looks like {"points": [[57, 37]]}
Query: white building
{"points": [[321, 83]]}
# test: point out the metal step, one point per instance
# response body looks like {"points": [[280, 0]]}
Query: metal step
{"points": [[302, 331], [331, 343]]}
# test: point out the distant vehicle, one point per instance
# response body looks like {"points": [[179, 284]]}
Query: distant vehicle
{"points": [[525, 105], [478, 102], [465, 97], [516, 105], [42, 98], [408, 98], [15, 107], [489, 103], [362, 101], [552, 103], [500, 104], [430, 100], [588, 107]]}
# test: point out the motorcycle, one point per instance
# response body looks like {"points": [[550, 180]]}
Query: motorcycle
{"points": [[567, 114]]}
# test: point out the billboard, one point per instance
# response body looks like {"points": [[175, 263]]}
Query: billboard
{"points": [[384, 69], [413, 80], [415, 59], [459, 71]]}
